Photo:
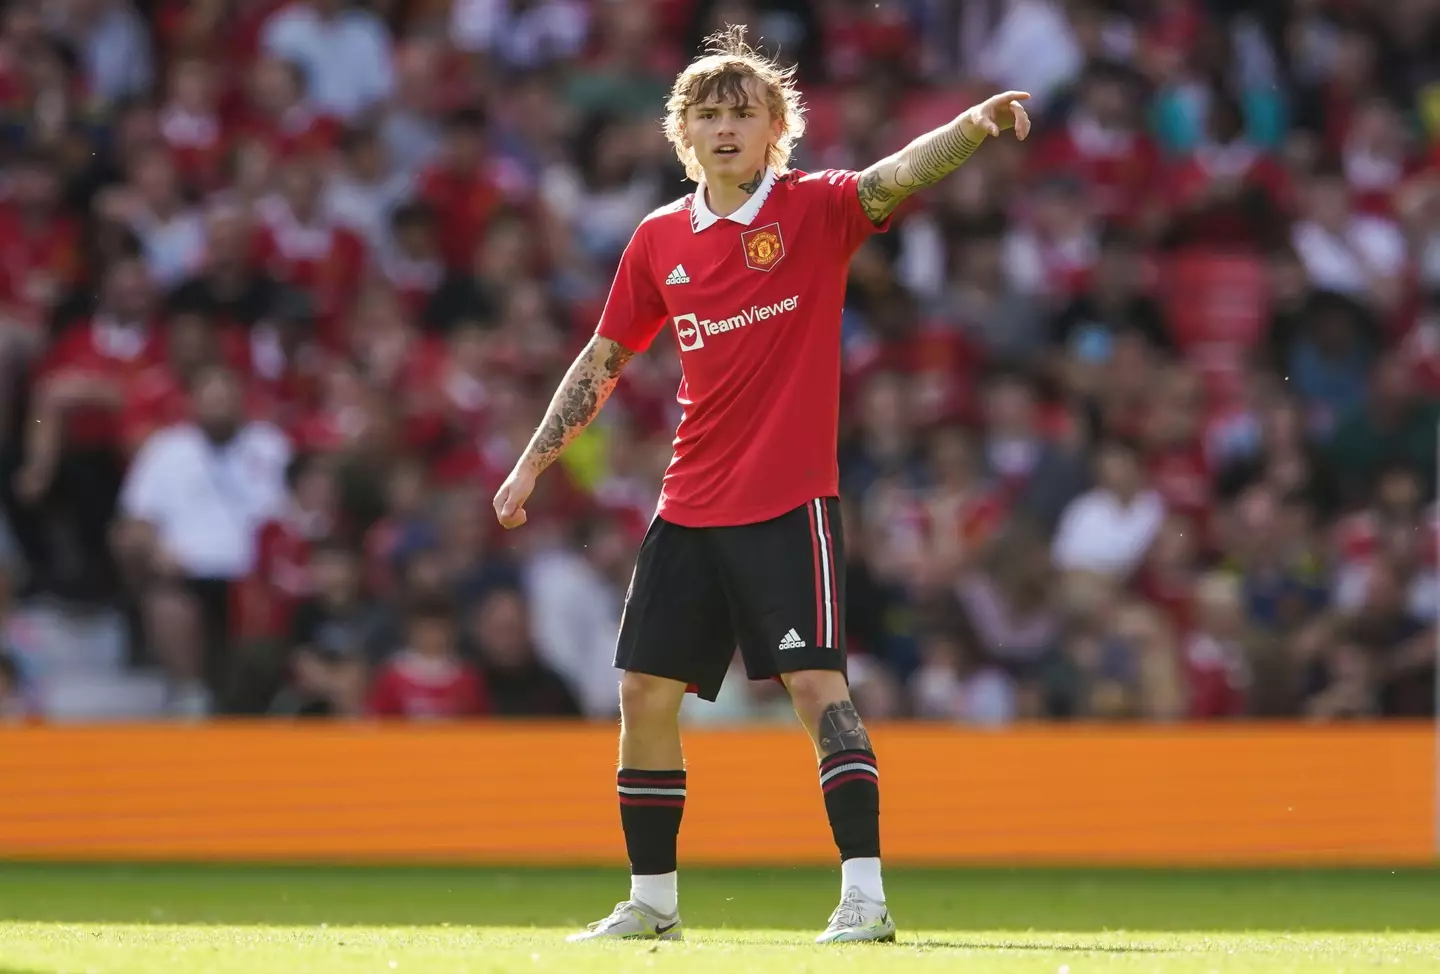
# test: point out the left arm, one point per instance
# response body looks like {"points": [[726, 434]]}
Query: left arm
{"points": [[938, 153]]}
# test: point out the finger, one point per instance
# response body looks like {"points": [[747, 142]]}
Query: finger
{"points": [[1010, 96], [991, 126], [1022, 120]]}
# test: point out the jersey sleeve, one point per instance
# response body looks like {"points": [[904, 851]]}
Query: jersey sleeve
{"points": [[843, 213], [634, 311]]}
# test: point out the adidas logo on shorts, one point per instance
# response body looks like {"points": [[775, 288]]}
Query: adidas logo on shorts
{"points": [[792, 640]]}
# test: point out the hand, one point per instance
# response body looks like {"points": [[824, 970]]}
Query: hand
{"points": [[510, 499], [998, 113]]}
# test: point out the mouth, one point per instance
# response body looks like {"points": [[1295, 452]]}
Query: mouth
{"points": [[727, 149]]}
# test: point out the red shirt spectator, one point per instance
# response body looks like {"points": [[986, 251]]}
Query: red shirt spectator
{"points": [[39, 247], [299, 247], [281, 118], [1214, 654], [192, 127], [1102, 146], [428, 680], [282, 577], [459, 189], [106, 355]]}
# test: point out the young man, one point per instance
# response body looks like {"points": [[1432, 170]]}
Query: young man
{"points": [[745, 547]]}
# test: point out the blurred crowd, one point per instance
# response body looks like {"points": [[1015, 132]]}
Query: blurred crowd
{"points": [[1140, 415]]}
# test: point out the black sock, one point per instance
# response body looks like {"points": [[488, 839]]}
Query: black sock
{"points": [[651, 803], [851, 784]]}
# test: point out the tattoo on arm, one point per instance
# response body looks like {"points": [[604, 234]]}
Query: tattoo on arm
{"points": [[922, 163], [588, 383], [840, 729], [754, 183]]}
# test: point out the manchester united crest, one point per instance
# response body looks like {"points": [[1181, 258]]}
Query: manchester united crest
{"points": [[763, 247]]}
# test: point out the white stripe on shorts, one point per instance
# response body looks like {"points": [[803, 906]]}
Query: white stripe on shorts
{"points": [[828, 636]]}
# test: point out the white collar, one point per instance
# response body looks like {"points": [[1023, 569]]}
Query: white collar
{"points": [[701, 216]]}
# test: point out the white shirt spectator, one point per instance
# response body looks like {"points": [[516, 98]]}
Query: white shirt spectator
{"points": [[113, 45], [574, 615], [174, 249], [1099, 533], [366, 207], [547, 31], [207, 503], [1371, 247], [346, 57], [1033, 49], [986, 698]]}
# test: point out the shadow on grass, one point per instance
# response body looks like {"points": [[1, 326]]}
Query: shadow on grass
{"points": [[960, 943], [979, 901]]}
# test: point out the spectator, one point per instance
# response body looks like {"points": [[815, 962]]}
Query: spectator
{"points": [[576, 593], [1110, 528], [193, 502], [520, 685], [1224, 661], [112, 43], [954, 684], [73, 461], [1394, 425], [343, 48], [332, 639], [15, 705], [427, 679]]}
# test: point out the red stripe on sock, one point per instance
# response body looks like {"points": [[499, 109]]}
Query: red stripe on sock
{"points": [[651, 782], [849, 757], [834, 783], [652, 800]]}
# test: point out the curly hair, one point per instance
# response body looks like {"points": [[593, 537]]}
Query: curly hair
{"points": [[721, 73]]}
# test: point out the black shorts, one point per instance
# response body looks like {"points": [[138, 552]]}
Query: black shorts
{"points": [[775, 590]]}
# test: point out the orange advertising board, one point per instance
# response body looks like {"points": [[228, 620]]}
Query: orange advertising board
{"points": [[514, 793]]}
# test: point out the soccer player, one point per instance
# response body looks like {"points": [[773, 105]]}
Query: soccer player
{"points": [[746, 545]]}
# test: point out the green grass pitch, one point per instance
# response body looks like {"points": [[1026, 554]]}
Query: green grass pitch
{"points": [[70, 919]]}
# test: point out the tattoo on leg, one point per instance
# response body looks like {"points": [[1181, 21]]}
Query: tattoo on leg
{"points": [[840, 729]]}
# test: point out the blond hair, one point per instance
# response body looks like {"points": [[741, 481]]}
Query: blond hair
{"points": [[721, 73]]}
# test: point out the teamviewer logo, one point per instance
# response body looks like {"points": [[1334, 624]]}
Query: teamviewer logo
{"points": [[687, 329]]}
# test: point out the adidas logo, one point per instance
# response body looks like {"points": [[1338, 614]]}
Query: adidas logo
{"points": [[792, 640], [678, 275]]}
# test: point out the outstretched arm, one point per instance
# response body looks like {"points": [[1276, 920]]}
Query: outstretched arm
{"points": [[587, 384], [938, 153]]}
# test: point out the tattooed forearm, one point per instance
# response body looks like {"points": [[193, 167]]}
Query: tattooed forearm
{"points": [[754, 182], [840, 729], [922, 163], [588, 383]]}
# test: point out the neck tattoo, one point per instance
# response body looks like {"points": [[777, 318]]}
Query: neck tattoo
{"points": [[755, 181]]}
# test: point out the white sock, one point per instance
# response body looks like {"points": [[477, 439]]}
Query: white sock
{"points": [[660, 893], [864, 875]]}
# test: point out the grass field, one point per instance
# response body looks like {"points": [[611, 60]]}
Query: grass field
{"points": [[272, 920]]}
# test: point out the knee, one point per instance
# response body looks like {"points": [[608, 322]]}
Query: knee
{"points": [[645, 698], [816, 691]]}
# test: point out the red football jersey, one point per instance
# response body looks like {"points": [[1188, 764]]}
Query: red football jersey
{"points": [[422, 688], [754, 299]]}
